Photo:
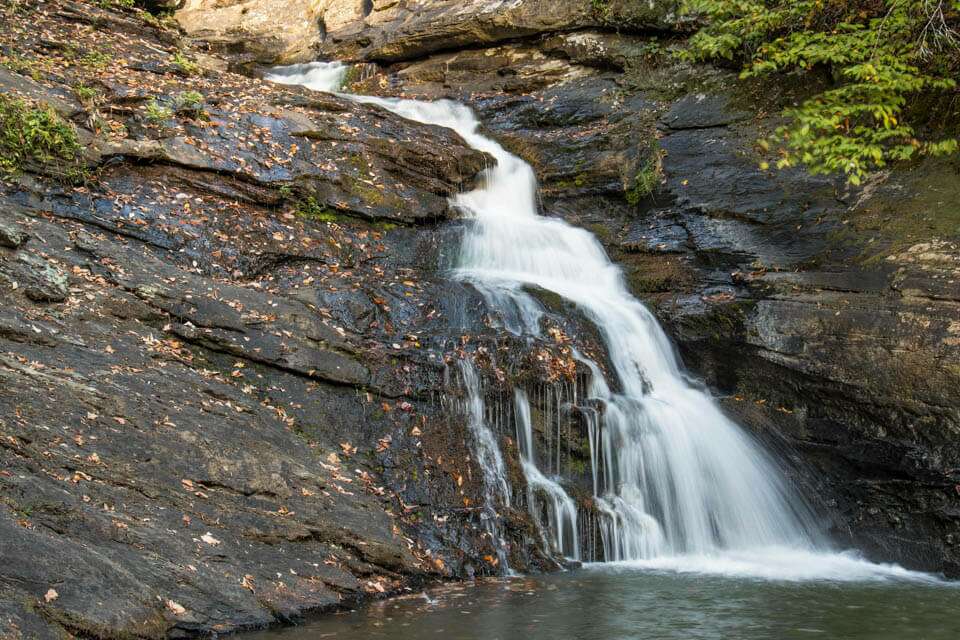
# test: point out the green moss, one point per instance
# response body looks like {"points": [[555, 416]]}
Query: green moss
{"points": [[577, 467], [33, 133], [352, 75], [24, 66], [312, 210], [185, 65], [95, 60]]}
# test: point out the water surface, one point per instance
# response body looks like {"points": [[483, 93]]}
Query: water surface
{"points": [[618, 602]]}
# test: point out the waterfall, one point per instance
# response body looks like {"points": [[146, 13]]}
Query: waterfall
{"points": [[487, 454], [679, 477], [676, 484], [561, 510]]}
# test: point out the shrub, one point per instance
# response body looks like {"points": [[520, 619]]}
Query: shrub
{"points": [[881, 54], [34, 133]]}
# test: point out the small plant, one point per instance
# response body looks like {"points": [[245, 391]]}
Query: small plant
{"points": [[190, 103], [95, 59], [600, 8], [185, 65], [646, 180], [122, 4], [86, 95], [157, 113], [313, 210], [32, 133]]}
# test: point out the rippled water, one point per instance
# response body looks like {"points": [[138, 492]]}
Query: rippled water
{"points": [[613, 603]]}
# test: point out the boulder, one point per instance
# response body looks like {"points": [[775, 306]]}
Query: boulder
{"points": [[263, 31]]}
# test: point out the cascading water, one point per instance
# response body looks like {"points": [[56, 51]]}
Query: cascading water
{"points": [[677, 484], [489, 459], [561, 510]]}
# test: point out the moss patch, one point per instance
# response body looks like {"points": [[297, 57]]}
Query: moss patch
{"points": [[310, 209]]}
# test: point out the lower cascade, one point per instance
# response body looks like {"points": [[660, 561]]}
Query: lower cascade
{"points": [[676, 484]]}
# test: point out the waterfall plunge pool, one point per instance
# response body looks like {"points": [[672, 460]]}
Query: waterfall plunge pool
{"points": [[614, 602]]}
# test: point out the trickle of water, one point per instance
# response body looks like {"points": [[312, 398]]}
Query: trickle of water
{"points": [[489, 459], [675, 481], [561, 510]]}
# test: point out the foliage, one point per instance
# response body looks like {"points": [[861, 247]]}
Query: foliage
{"points": [[185, 65], [96, 60], [189, 102], [881, 54], [313, 210], [157, 112], [86, 95], [34, 133]]}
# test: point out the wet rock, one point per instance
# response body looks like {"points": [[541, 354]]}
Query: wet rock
{"points": [[701, 111], [11, 236], [38, 278], [772, 296]]}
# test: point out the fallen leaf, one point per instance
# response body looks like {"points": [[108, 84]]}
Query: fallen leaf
{"points": [[209, 539], [176, 608]]}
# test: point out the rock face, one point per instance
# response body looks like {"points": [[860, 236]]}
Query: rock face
{"points": [[225, 391], [220, 353], [265, 31], [284, 31], [393, 31]]}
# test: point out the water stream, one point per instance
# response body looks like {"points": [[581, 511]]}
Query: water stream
{"points": [[678, 485]]}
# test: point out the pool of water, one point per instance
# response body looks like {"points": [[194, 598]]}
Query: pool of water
{"points": [[620, 602]]}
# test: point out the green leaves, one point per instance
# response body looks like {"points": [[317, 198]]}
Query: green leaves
{"points": [[34, 133], [873, 49]]}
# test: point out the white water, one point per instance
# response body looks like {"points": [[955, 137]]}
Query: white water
{"points": [[319, 76], [679, 485], [561, 510], [489, 459]]}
